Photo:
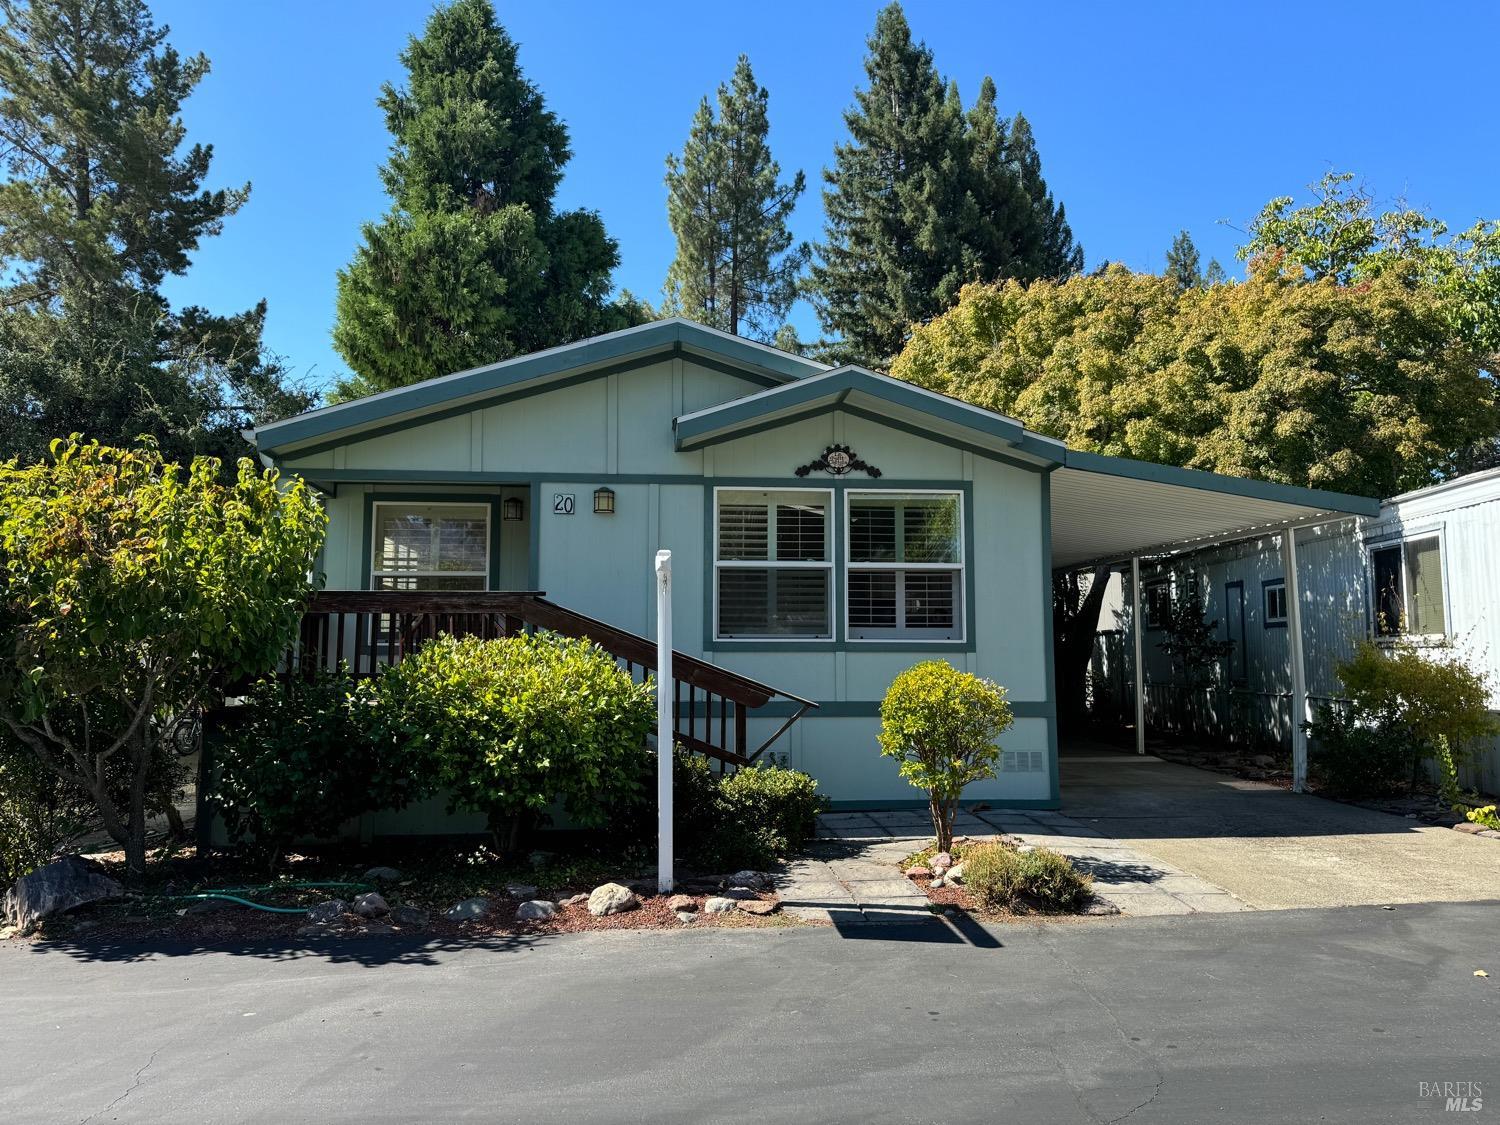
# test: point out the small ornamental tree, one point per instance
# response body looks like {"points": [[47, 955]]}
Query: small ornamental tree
{"points": [[129, 586], [941, 725]]}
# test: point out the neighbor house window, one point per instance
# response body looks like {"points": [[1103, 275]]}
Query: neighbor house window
{"points": [[430, 547], [1408, 588], [1157, 599], [905, 566], [1274, 595], [773, 564]]}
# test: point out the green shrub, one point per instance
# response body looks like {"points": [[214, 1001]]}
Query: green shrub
{"points": [[1353, 758], [516, 724], [38, 813], [307, 755], [1000, 878], [725, 822], [941, 725], [1419, 697]]}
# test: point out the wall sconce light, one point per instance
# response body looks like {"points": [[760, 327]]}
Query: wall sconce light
{"points": [[604, 501], [512, 509]]}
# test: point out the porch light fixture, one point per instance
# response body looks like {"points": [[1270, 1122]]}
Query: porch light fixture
{"points": [[604, 501], [512, 509]]}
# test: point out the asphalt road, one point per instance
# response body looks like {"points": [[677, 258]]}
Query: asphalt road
{"points": [[1285, 1016]]}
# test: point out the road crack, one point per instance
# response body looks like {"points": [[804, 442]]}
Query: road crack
{"points": [[135, 1084]]}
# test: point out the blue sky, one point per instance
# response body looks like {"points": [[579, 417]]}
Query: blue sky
{"points": [[1150, 117]]}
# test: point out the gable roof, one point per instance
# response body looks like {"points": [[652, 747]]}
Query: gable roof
{"points": [[857, 389], [595, 356]]}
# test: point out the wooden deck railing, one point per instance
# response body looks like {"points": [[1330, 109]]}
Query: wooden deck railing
{"points": [[371, 629]]}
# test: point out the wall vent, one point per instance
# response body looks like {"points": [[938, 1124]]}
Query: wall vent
{"points": [[1023, 761]]}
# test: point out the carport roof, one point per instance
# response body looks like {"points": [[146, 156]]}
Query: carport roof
{"points": [[1104, 509]]}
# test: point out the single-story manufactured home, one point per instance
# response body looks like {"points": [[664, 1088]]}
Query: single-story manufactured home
{"points": [[830, 526], [1421, 570]]}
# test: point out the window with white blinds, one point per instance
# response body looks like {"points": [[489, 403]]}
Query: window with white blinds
{"points": [[1408, 588], [905, 566], [430, 546], [773, 568]]}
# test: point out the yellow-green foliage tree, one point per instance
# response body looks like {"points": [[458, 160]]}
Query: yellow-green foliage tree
{"points": [[128, 586], [1360, 387]]}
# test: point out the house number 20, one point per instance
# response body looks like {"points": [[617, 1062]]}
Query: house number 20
{"points": [[562, 503]]}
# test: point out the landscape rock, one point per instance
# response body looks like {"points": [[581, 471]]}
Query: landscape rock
{"points": [[919, 873], [680, 903], [954, 874], [717, 905], [520, 891], [467, 910], [537, 910], [685, 916], [371, 926], [370, 905], [328, 912], [753, 879], [739, 894], [409, 916], [760, 906], [937, 882], [1470, 827], [382, 874], [574, 900], [940, 862], [611, 898], [57, 888], [1100, 906], [1263, 760], [1490, 834]]}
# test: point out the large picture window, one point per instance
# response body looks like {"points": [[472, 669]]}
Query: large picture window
{"points": [[905, 566], [1408, 581], [773, 564], [430, 546]]}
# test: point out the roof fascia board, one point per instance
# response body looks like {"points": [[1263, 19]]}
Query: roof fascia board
{"points": [[672, 336], [1315, 499]]}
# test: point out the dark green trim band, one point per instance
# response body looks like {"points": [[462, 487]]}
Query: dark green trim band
{"points": [[997, 803], [870, 708]]}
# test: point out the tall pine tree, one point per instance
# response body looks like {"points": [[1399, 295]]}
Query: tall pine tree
{"points": [[1183, 262], [924, 198], [473, 263], [736, 266], [102, 200]]}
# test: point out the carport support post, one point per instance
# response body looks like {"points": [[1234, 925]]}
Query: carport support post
{"points": [[664, 721], [1294, 649], [1138, 626]]}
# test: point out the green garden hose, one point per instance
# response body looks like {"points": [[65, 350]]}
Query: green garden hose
{"points": [[225, 894]]}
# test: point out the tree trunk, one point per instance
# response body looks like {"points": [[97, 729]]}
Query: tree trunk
{"points": [[1074, 648], [942, 822]]}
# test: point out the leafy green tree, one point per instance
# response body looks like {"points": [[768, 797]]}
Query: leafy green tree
{"points": [[941, 724], [923, 198], [736, 268], [1182, 262], [128, 586], [102, 200], [473, 263]]}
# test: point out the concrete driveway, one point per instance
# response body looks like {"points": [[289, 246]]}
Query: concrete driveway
{"points": [[1268, 847]]}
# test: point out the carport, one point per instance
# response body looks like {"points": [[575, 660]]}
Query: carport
{"points": [[1110, 511]]}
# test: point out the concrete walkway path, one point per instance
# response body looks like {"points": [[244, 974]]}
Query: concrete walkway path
{"points": [[850, 876], [1270, 848]]}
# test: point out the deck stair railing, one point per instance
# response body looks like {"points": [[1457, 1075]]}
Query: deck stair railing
{"points": [[370, 629]]}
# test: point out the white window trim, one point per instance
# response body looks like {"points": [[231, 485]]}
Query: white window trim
{"points": [[766, 564], [1402, 538], [1265, 599], [961, 567], [376, 573]]}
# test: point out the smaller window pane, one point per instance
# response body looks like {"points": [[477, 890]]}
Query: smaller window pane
{"points": [[1424, 583], [744, 531], [800, 532], [1390, 609], [872, 599], [931, 599], [773, 602], [931, 529], [872, 531]]}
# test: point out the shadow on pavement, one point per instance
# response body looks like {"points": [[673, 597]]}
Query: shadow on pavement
{"points": [[939, 929], [368, 951]]}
